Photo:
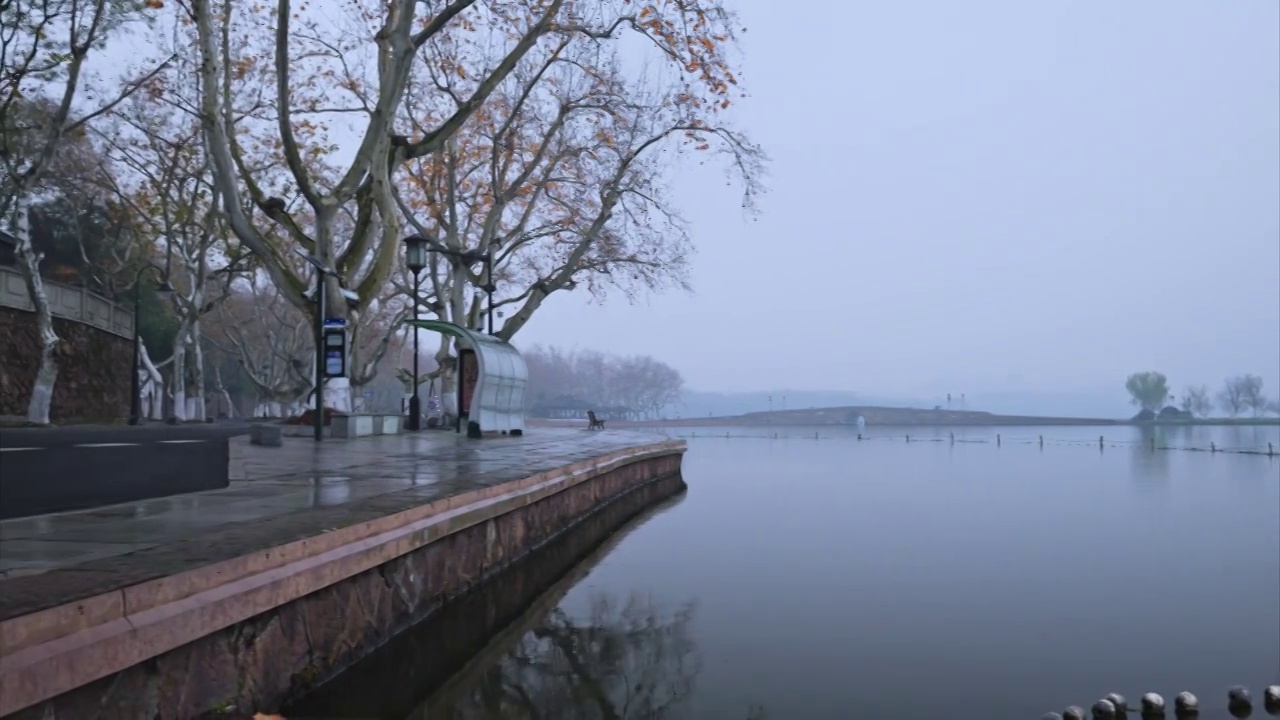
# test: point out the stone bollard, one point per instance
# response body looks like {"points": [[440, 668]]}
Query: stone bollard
{"points": [[1120, 703], [1271, 699], [1075, 712], [1103, 710], [1239, 702], [266, 435], [1185, 705], [1152, 706]]}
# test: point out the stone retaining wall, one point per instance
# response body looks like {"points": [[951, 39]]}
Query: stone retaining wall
{"points": [[93, 368], [333, 615]]}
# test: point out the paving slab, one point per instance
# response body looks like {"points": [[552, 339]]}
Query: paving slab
{"points": [[277, 495]]}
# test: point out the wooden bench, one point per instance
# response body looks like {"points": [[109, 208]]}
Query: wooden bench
{"points": [[593, 422]]}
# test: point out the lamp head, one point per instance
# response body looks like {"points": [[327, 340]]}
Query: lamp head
{"points": [[415, 253]]}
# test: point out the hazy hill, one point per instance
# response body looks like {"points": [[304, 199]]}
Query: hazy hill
{"points": [[1095, 404]]}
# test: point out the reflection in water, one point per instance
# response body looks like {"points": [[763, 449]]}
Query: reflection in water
{"points": [[1149, 459], [836, 578], [628, 658], [510, 649]]}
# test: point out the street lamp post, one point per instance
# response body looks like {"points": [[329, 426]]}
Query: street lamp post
{"points": [[415, 258], [489, 287], [163, 290], [416, 248], [420, 245]]}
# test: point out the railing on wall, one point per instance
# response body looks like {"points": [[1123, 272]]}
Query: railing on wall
{"points": [[67, 302]]}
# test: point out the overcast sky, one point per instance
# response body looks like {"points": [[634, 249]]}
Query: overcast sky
{"points": [[983, 195]]}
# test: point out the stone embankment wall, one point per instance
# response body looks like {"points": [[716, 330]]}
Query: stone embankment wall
{"points": [[314, 607], [93, 368]]}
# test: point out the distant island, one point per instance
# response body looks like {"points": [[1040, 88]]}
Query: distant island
{"points": [[900, 416]]}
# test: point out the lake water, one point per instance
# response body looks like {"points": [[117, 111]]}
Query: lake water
{"points": [[836, 578]]}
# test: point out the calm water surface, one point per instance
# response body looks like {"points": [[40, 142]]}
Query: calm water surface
{"points": [[832, 578]]}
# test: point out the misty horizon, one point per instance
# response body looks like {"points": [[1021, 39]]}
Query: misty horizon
{"points": [[996, 198]]}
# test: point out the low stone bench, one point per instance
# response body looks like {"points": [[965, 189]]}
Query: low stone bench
{"points": [[351, 426], [266, 435]]}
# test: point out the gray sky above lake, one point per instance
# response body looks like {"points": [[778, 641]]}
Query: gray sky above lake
{"points": [[983, 196]]}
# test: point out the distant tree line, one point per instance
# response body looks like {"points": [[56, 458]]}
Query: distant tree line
{"points": [[1150, 391], [641, 384]]}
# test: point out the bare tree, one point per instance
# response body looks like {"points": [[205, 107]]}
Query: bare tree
{"points": [[270, 339], [44, 49], [1196, 400], [641, 384], [563, 179], [1240, 392], [164, 181], [269, 125], [558, 182], [1251, 394]]}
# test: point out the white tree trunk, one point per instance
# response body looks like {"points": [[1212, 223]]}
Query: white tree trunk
{"points": [[198, 410], [337, 394], [178, 371], [220, 389], [47, 374], [152, 386]]}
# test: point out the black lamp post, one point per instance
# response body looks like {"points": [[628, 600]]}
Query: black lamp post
{"points": [[163, 290], [415, 258], [489, 287]]}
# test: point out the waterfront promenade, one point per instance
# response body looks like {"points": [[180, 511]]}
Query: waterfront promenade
{"points": [[315, 552]]}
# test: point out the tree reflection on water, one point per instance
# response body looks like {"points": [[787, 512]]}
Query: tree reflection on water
{"points": [[626, 659]]}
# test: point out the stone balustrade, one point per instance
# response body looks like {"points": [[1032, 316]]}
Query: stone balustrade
{"points": [[67, 302]]}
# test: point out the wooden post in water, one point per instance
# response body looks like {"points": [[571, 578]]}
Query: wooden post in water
{"points": [[1041, 442], [1153, 443], [997, 439], [908, 438], [953, 438], [859, 436], [1099, 442], [1213, 447], [1270, 453]]}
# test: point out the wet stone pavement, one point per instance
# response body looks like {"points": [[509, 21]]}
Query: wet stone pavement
{"points": [[277, 495]]}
